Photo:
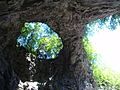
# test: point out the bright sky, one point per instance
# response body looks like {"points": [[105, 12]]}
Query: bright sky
{"points": [[107, 44]]}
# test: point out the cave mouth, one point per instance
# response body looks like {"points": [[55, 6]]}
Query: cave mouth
{"points": [[40, 40], [102, 45]]}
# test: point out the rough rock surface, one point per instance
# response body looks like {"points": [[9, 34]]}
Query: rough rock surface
{"points": [[71, 70]]}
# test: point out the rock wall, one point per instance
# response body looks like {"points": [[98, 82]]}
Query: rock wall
{"points": [[71, 69]]}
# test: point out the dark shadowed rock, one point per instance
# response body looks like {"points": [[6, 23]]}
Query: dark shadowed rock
{"points": [[8, 79], [71, 70]]}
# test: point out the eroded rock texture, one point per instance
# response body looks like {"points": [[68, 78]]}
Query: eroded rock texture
{"points": [[71, 69]]}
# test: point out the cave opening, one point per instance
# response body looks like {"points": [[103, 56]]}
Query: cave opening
{"points": [[40, 40], [102, 45], [42, 46]]}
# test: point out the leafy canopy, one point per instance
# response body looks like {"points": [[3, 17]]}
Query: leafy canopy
{"points": [[40, 40]]}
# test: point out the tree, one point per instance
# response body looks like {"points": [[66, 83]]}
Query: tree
{"points": [[71, 69]]}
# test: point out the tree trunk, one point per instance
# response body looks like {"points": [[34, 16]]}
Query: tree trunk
{"points": [[71, 68]]}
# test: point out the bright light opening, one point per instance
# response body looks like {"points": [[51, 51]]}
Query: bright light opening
{"points": [[102, 44], [107, 44]]}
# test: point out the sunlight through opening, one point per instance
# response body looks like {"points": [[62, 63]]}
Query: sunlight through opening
{"points": [[102, 45], [107, 44]]}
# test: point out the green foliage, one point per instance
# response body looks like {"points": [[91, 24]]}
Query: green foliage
{"points": [[40, 40], [106, 79], [91, 54]]}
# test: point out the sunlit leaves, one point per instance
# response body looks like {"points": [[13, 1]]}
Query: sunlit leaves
{"points": [[109, 23], [40, 40], [101, 43]]}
